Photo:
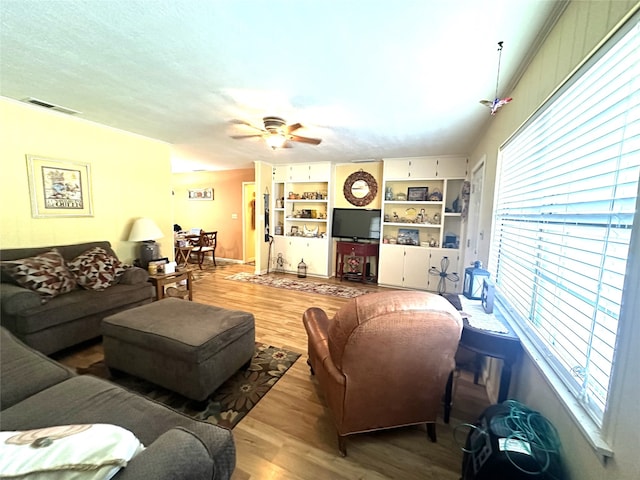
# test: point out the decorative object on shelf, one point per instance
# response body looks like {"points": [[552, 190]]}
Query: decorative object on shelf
{"points": [[396, 218], [302, 269], [473, 280], [401, 197], [59, 188], [408, 236], [497, 103], [444, 276], [360, 188], [436, 218], [388, 194], [455, 205], [436, 195], [310, 232], [294, 230], [200, 193], [421, 217], [417, 194], [451, 241]]}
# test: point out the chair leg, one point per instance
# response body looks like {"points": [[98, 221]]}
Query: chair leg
{"points": [[342, 445], [431, 431], [213, 257], [447, 398], [310, 367]]}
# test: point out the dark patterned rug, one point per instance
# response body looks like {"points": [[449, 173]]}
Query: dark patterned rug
{"points": [[278, 281], [230, 402]]}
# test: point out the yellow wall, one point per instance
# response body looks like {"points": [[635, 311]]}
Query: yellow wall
{"points": [[344, 170], [223, 214], [131, 177]]}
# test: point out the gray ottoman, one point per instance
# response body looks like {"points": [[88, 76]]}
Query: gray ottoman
{"points": [[186, 347]]}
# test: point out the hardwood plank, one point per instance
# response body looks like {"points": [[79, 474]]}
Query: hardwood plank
{"points": [[290, 434]]}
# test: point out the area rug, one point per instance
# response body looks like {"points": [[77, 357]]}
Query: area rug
{"points": [[278, 281], [230, 402]]}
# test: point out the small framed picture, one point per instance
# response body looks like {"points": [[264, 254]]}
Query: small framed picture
{"points": [[294, 230], [408, 236], [417, 194]]}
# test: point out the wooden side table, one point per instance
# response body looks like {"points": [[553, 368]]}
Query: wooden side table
{"points": [[162, 279], [362, 251]]}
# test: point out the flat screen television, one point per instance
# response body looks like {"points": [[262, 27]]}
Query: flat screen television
{"points": [[356, 224]]}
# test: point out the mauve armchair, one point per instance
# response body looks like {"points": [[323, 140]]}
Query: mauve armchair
{"points": [[384, 359]]}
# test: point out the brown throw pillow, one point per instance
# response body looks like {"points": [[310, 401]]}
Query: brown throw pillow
{"points": [[96, 269], [46, 274]]}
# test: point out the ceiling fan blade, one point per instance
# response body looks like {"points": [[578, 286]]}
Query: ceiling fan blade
{"points": [[246, 136], [236, 121], [294, 127], [287, 145], [312, 141]]}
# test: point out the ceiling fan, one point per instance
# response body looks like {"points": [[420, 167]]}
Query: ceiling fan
{"points": [[276, 133]]}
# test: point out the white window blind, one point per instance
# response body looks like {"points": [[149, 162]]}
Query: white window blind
{"points": [[565, 202]]}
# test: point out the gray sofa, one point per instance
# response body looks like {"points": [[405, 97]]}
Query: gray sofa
{"points": [[37, 392], [69, 318]]}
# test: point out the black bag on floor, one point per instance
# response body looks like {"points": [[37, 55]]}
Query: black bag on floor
{"points": [[511, 442]]}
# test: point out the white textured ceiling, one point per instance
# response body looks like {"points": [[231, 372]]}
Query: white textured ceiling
{"points": [[372, 78]]}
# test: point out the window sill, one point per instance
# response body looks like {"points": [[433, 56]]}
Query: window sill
{"points": [[585, 424]]}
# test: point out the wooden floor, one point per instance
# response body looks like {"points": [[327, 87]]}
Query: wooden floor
{"points": [[289, 434]]}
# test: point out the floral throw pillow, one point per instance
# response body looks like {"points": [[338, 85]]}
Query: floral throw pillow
{"points": [[46, 274], [96, 269]]}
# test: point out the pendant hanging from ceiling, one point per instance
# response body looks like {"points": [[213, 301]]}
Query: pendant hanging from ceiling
{"points": [[497, 102]]}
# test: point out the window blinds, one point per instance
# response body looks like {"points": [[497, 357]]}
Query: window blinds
{"points": [[566, 198]]}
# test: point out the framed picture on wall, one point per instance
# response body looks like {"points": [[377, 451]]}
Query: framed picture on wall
{"points": [[200, 193], [59, 188]]}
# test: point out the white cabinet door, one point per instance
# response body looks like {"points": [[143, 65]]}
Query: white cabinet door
{"points": [[309, 172], [452, 168], [391, 264], [410, 168], [314, 252], [416, 268], [319, 172], [279, 173]]}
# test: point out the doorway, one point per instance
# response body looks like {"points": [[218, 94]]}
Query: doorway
{"points": [[249, 222]]}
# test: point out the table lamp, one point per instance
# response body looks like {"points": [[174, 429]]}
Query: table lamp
{"points": [[146, 231]]}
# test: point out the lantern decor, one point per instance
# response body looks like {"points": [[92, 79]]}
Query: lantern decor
{"points": [[302, 269], [473, 281]]}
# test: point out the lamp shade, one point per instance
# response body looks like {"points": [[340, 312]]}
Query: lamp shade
{"points": [[144, 229]]}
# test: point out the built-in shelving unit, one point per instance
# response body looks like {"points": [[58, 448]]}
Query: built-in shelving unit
{"points": [[301, 208], [422, 220]]}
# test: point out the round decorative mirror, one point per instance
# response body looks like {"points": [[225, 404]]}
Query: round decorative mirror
{"points": [[360, 188]]}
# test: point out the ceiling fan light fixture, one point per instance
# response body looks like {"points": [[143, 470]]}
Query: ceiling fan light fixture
{"points": [[276, 140]]}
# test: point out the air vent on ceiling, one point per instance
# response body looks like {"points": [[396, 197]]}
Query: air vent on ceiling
{"points": [[50, 106]]}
